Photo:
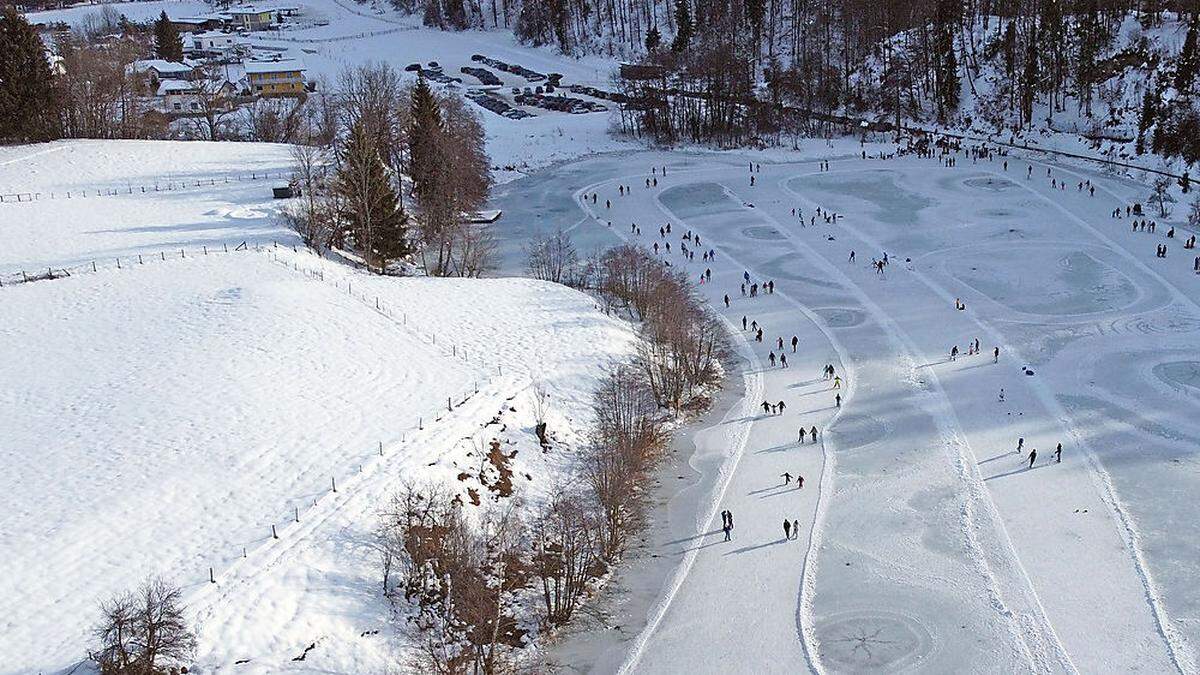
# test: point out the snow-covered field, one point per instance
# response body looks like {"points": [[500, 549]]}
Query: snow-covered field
{"points": [[162, 417]]}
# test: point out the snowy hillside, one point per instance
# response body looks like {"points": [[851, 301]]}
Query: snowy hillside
{"points": [[163, 417]]}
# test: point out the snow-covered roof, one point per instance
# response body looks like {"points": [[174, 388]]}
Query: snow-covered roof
{"points": [[162, 66], [175, 87], [253, 67]]}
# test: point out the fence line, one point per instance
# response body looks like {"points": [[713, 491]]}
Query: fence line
{"points": [[24, 276], [166, 186]]}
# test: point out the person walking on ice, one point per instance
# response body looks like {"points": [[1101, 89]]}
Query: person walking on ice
{"points": [[1032, 457], [795, 341], [781, 406], [795, 529], [1020, 445], [771, 358], [996, 355], [787, 524], [787, 478], [1058, 454], [801, 439], [783, 360], [813, 433], [799, 482], [766, 407], [837, 400]]}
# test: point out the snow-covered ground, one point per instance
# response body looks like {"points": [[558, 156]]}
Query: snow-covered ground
{"points": [[927, 543], [162, 417]]}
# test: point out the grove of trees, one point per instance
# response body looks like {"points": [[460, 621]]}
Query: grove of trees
{"points": [[391, 172]]}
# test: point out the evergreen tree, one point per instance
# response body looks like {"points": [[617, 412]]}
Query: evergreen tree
{"points": [[425, 157], [1029, 78], [28, 105], [167, 43], [683, 26], [1185, 71], [1146, 118], [653, 40], [946, 18], [373, 220], [754, 16]]}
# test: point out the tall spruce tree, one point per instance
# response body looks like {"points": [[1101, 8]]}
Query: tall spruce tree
{"points": [[683, 26], [28, 108], [653, 40], [946, 17], [1189, 60], [425, 157], [373, 220], [167, 43]]}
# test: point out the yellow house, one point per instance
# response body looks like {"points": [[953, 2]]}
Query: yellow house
{"points": [[251, 18], [275, 78]]}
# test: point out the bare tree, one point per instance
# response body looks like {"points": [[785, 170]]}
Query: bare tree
{"points": [[552, 258], [276, 120], [143, 630], [211, 93], [312, 214]]}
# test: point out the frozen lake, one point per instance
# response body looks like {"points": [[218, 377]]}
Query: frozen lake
{"points": [[927, 541]]}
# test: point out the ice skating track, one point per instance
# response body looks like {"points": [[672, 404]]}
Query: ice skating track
{"points": [[996, 558]]}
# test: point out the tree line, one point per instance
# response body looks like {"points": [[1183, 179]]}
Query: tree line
{"points": [[474, 582]]}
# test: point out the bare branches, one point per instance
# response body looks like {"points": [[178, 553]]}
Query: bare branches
{"points": [[143, 630]]}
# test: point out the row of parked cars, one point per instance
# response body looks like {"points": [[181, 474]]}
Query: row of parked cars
{"points": [[432, 71], [482, 74], [529, 75], [560, 103], [614, 96], [496, 105]]}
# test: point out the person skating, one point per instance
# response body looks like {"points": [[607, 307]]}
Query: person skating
{"points": [[783, 360], [1058, 454], [1020, 445], [801, 439], [727, 529], [743, 322], [787, 478], [799, 482], [795, 341], [787, 524], [813, 432], [758, 335], [771, 358], [781, 407], [996, 355], [795, 529], [837, 382], [837, 400], [954, 353], [766, 407], [1032, 457]]}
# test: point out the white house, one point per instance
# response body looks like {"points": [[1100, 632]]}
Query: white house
{"points": [[180, 96], [216, 44]]}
